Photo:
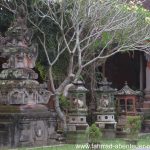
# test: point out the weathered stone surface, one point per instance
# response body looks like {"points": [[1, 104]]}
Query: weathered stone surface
{"points": [[78, 109], [26, 129], [22, 92], [105, 118], [25, 120], [20, 59], [21, 73]]}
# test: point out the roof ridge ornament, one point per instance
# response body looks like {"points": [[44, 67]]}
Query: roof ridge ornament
{"points": [[126, 90]]}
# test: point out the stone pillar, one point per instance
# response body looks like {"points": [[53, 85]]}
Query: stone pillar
{"points": [[147, 90], [146, 103]]}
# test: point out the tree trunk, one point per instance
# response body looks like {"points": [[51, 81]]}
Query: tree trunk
{"points": [[55, 98], [60, 114]]}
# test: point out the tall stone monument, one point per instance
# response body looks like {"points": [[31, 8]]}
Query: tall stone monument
{"points": [[77, 113], [105, 109], [25, 120], [78, 108]]}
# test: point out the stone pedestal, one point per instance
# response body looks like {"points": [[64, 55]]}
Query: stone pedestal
{"points": [[77, 126], [106, 122], [77, 120], [25, 129]]}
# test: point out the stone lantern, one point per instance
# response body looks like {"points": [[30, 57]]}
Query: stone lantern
{"points": [[78, 109], [127, 105], [105, 108]]}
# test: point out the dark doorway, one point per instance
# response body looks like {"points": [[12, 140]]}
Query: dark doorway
{"points": [[125, 67]]}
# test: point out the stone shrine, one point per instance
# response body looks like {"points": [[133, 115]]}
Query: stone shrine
{"points": [[78, 109], [128, 102], [105, 111], [25, 120]]}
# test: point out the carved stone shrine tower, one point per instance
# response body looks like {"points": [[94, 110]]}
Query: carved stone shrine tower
{"points": [[105, 109], [25, 119], [78, 109]]}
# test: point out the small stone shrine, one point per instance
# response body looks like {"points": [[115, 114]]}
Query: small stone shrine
{"points": [[78, 109], [105, 108], [127, 105], [24, 118]]}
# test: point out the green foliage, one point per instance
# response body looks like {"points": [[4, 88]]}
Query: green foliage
{"points": [[42, 69], [133, 126], [94, 133], [106, 37], [136, 8], [64, 102]]}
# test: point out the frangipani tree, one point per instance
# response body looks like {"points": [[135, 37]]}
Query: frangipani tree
{"points": [[87, 31]]}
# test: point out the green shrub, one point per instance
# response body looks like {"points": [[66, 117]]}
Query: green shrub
{"points": [[133, 126], [93, 133]]}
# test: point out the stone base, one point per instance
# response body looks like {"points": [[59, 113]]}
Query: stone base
{"points": [[79, 127], [106, 125], [109, 133], [26, 129], [77, 121], [108, 129]]}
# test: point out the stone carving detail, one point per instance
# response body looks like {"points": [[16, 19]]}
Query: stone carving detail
{"points": [[78, 103], [18, 74], [17, 96], [104, 101], [24, 134], [44, 96], [18, 85], [25, 96], [39, 130], [21, 60]]}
